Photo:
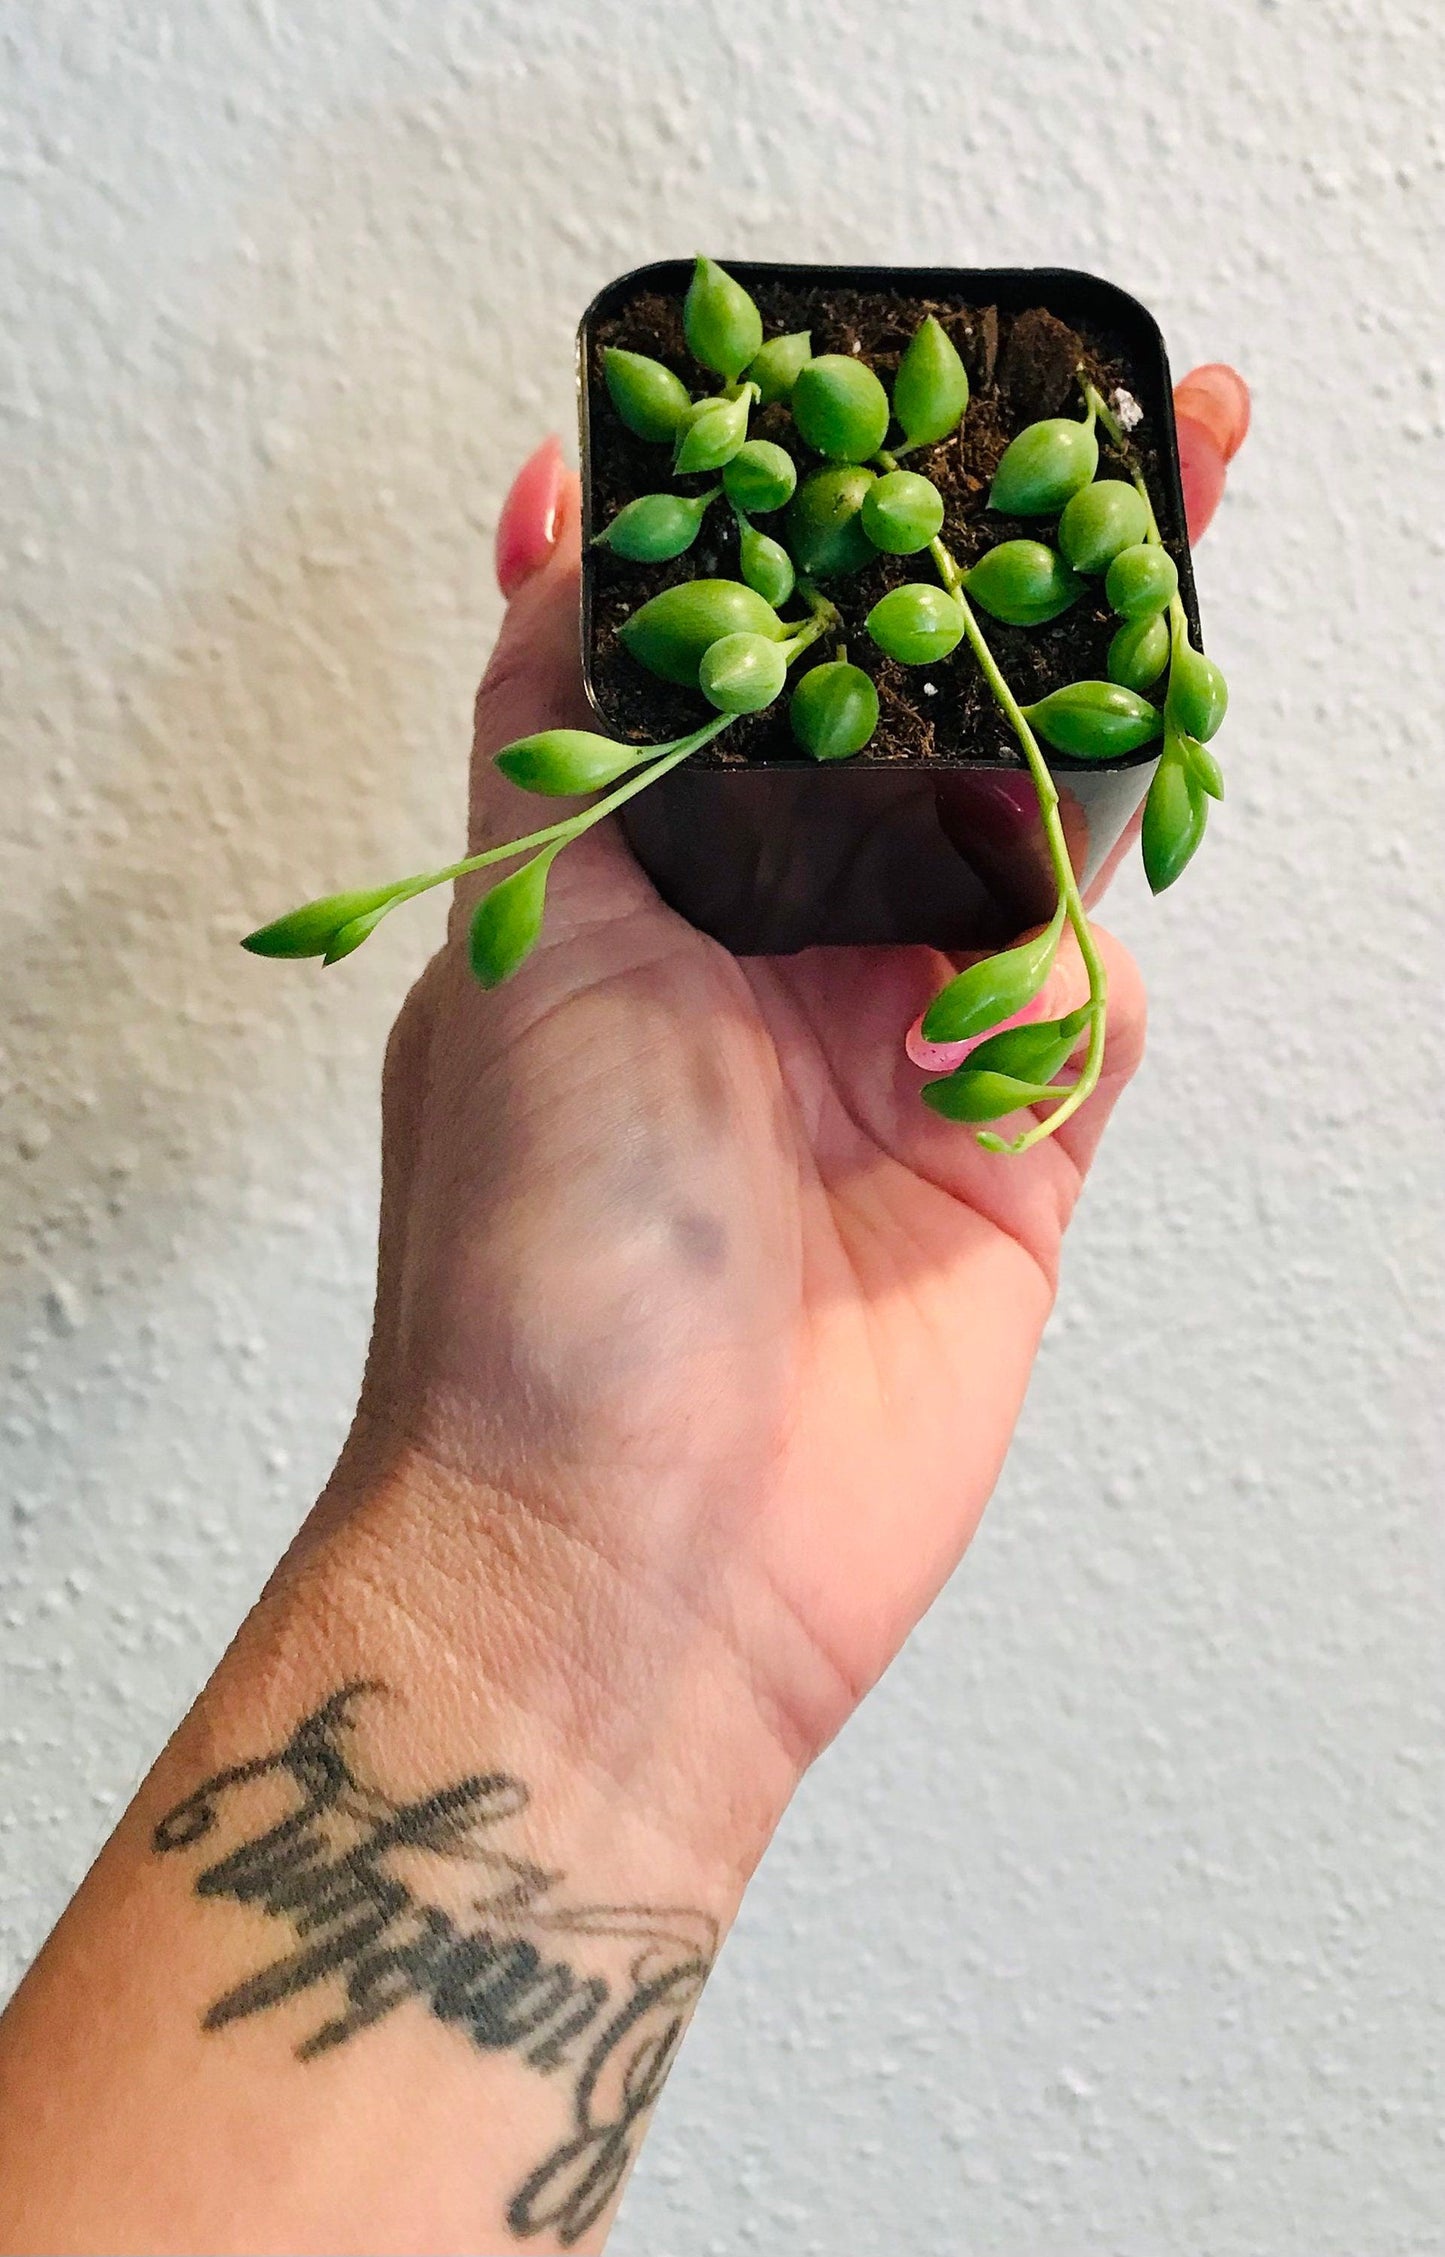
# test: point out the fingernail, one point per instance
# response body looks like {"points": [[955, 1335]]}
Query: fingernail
{"points": [[1217, 397], [527, 527], [1201, 473], [944, 1057]]}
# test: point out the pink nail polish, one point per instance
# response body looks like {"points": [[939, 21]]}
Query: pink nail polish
{"points": [[1202, 472], [527, 527], [943, 1057], [1218, 397]]}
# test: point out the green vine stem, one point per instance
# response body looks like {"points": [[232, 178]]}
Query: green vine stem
{"points": [[1048, 798], [1063, 868], [555, 835]]}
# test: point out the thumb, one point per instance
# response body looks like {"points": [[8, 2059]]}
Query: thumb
{"points": [[534, 677]]}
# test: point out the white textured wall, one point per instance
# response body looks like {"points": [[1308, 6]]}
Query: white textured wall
{"points": [[1113, 1923]]}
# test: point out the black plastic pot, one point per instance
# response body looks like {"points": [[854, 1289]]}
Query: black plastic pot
{"points": [[782, 852]]}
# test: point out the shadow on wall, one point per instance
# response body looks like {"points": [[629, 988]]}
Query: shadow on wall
{"points": [[389, 342]]}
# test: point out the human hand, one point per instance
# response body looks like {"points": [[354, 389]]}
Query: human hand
{"points": [[678, 1273]]}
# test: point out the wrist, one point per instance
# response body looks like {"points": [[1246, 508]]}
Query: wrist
{"points": [[550, 1623], [461, 1802]]}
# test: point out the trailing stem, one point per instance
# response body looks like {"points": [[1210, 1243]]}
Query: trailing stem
{"points": [[1059, 857]]}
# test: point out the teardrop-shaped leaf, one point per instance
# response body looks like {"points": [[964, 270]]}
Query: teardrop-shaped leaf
{"points": [[1141, 581], [775, 370], [825, 532], [656, 527], [840, 408], [1139, 652], [917, 624], [765, 564], [742, 673], [1099, 520], [761, 477], [311, 929], [1203, 765], [670, 632], [350, 937], [834, 710], [1095, 720], [1198, 693], [649, 398], [1175, 814], [1023, 583], [902, 512], [1033, 1053], [711, 433], [723, 327], [993, 989], [560, 762], [930, 391], [1043, 466], [979, 1095], [507, 922]]}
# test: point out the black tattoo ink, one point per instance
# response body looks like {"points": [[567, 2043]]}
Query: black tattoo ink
{"points": [[336, 1867]]}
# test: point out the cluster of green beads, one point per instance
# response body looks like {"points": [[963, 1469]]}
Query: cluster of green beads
{"points": [[730, 640], [1106, 531], [856, 504], [840, 515]]}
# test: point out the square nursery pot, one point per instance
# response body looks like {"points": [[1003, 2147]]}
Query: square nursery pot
{"points": [[931, 833]]}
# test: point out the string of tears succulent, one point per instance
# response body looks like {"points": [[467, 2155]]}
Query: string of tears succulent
{"points": [[846, 500]]}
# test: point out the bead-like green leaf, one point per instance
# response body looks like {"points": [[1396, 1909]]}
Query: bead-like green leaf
{"points": [[1033, 1053], [670, 632], [1095, 720], [656, 526], [507, 921], [775, 371], [1198, 693], [902, 512], [834, 710], [742, 673], [765, 564], [760, 477], [930, 391], [1099, 520], [1141, 581], [976, 1094], [1175, 814], [710, 434], [649, 398], [312, 929], [1043, 466], [993, 989], [349, 939], [824, 532], [1139, 653], [916, 624], [1023, 583], [723, 327], [1203, 765], [840, 408], [561, 762]]}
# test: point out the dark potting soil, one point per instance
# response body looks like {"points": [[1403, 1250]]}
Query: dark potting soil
{"points": [[1021, 366]]}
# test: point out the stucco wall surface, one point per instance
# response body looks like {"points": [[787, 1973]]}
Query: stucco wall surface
{"points": [[1113, 1924]]}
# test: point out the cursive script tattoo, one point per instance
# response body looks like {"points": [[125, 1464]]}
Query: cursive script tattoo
{"points": [[356, 1876]]}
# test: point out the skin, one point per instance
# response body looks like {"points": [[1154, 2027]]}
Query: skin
{"points": [[698, 1345]]}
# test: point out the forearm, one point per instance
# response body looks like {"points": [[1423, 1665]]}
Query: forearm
{"points": [[395, 1946]]}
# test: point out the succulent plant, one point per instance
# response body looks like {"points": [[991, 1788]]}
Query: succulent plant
{"points": [[841, 503]]}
